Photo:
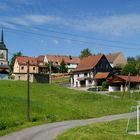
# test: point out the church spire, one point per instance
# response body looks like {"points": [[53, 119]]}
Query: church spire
{"points": [[2, 39]]}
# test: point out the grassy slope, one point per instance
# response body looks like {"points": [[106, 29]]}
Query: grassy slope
{"points": [[52, 103], [135, 95], [114, 130]]}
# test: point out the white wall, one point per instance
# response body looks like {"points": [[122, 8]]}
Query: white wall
{"points": [[113, 88], [23, 77]]}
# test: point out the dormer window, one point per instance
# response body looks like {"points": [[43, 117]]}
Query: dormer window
{"points": [[22, 68]]}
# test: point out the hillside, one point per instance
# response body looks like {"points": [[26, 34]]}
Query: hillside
{"points": [[51, 103]]}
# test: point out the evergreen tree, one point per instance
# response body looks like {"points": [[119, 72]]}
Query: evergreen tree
{"points": [[63, 67]]}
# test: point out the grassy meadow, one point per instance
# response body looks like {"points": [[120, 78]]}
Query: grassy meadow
{"points": [[115, 130], [51, 103], [134, 95]]}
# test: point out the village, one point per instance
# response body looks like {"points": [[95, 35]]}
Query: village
{"points": [[69, 70], [96, 72]]}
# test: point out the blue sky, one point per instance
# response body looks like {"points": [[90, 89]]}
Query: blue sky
{"points": [[66, 27]]}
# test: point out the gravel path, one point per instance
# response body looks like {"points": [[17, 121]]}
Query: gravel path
{"points": [[51, 130]]}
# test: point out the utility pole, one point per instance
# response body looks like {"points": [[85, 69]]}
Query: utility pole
{"points": [[129, 85], [50, 73], [28, 93]]}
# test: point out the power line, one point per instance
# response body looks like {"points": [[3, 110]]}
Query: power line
{"points": [[70, 39], [80, 36]]}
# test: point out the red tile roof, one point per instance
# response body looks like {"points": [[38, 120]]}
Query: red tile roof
{"points": [[67, 59], [112, 56], [40, 59], [88, 62], [22, 60], [132, 78], [102, 75]]}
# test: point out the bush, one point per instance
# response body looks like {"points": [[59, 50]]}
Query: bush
{"points": [[105, 85]]}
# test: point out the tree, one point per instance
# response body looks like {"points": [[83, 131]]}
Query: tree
{"points": [[85, 53], [13, 60], [129, 68], [54, 69], [63, 67]]}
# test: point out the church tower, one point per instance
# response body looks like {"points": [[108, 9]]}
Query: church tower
{"points": [[3, 52]]}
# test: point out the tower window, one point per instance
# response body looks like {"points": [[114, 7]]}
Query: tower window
{"points": [[22, 68], [1, 55]]}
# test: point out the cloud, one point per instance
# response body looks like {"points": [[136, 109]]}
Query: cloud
{"points": [[55, 41], [114, 25], [29, 20], [109, 25]]}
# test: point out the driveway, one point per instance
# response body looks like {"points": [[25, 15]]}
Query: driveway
{"points": [[51, 130]]}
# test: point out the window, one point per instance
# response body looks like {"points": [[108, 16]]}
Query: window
{"points": [[22, 68], [77, 75], [85, 74], [33, 68], [1, 55], [90, 82]]}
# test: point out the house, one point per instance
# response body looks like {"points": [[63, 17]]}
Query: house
{"points": [[116, 59], [121, 82], [4, 68], [35, 69], [85, 73], [71, 61], [101, 77]]}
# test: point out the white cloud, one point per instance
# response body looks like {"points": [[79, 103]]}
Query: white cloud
{"points": [[55, 41], [29, 20], [112, 25]]}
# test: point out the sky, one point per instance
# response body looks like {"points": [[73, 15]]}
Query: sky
{"points": [[65, 27]]}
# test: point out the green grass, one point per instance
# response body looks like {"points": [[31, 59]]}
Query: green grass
{"points": [[60, 80], [51, 103], [115, 130], [134, 95]]}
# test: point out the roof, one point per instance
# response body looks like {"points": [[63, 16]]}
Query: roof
{"points": [[2, 45], [123, 79], [132, 78], [102, 75], [88, 62], [112, 56], [22, 60], [67, 59], [40, 58]]}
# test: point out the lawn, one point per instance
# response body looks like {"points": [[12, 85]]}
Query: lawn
{"points": [[115, 130], [125, 95], [51, 103]]}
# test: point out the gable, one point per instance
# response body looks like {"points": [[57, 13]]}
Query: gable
{"points": [[88, 63]]}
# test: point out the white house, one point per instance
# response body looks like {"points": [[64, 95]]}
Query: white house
{"points": [[85, 73], [71, 61]]}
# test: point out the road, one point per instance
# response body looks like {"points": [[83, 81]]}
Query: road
{"points": [[51, 130]]}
